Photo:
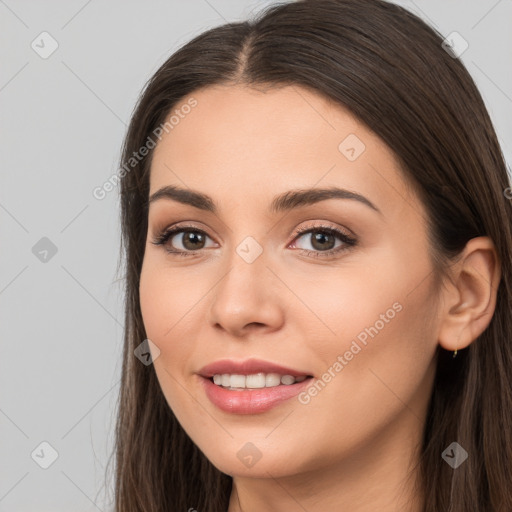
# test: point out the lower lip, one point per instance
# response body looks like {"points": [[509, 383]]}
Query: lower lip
{"points": [[251, 401]]}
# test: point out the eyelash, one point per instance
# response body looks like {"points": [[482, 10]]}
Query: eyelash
{"points": [[350, 242]]}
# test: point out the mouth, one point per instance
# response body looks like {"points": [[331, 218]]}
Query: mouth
{"points": [[240, 382], [246, 394]]}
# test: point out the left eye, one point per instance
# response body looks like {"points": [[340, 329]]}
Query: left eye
{"points": [[324, 240]]}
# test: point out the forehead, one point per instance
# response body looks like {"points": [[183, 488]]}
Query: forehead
{"points": [[240, 141]]}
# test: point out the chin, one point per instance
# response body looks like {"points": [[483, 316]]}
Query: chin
{"points": [[249, 461]]}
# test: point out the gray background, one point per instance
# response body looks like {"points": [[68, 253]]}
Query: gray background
{"points": [[62, 122]]}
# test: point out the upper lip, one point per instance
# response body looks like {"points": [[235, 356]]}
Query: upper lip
{"points": [[247, 367]]}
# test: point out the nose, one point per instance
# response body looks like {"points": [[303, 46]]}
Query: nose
{"points": [[248, 298]]}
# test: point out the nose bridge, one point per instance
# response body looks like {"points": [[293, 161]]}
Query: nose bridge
{"points": [[248, 271], [246, 293]]}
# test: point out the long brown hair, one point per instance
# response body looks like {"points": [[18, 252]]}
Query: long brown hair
{"points": [[389, 69]]}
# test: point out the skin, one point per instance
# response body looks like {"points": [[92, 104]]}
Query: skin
{"points": [[353, 446]]}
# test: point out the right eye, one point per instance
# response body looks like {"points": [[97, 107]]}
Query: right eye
{"points": [[191, 239]]}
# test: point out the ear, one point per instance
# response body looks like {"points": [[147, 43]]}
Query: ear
{"points": [[469, 299]]}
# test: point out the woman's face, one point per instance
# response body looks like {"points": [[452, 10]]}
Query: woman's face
{"points": [[349, 302]]}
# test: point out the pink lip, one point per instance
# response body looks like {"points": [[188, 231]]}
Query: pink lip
{"points": [[250, 401], [247, 367]]}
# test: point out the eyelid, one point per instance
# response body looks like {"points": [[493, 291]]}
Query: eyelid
{"points": [[319, 225], [297, 231]]}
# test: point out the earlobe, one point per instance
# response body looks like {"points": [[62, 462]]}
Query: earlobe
{"points": [[469, 300]]}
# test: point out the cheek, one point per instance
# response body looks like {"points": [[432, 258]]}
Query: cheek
{"points": [[164, 303], [379, 361], [153, 303], [379, 296], [337, 306], [380, 321], [167, 298]]}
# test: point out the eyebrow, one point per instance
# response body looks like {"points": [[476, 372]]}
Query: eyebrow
{"points": [[283, 202]]}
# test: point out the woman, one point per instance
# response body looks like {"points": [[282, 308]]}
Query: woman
{"points": [[318, 249]]}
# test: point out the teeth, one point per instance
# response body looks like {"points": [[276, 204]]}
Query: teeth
{"points": [[272, 379], [255, 381], [287, 379]]}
